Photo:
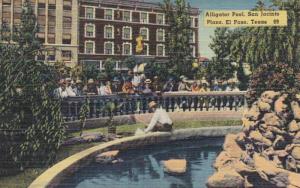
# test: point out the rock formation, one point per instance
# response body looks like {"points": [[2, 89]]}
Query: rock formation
{"points": [[267, 152], [175, 166]]}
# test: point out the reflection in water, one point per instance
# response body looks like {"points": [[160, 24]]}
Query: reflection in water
{"points": [[142, 168]]}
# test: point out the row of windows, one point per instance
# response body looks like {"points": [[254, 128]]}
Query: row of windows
{"points": [[126, 32], [66, 55], [126, 15], [126, 48], [99, 64]]}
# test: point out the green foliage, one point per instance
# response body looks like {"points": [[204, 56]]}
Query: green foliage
{"points": [[153, 69], [30, 119], [178, 36], [90, 71], [83, 113], [109, 66], [272, 76], [111, 108], [130, 62]]}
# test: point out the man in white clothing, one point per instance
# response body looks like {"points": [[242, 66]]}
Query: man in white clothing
{"points": [[69, 88], [160, 121]]}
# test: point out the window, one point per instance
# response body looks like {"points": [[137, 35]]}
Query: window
{"points": [[144, 17], [127, 49], [145, 49], [127, 33], [89, 47], [192, 37], [193, 51], [89, 12], [108, 48], [108, 14], [66, 55], [126, 16], [144, 32], [160, 35], [160, 50], [89, 30], [51, 55], [160, 19], [109, 32]]}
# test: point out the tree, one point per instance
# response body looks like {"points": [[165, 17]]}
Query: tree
{"points": [[221, 66], [30, 118], [109, 68], [178, 37]]}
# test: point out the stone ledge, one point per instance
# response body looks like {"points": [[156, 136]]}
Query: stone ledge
{"points": [[142, 118], [54, 175]]}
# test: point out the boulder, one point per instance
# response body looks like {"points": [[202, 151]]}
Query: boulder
{"points": [[175, 166], [107, 157], [258, 137], [279, 105], [253, 114], [263, 106], [92, 137], [296, 109], [271, 119], [296, 152], [231, 146], [293, 126], [296, 139], [269, 96], [228, 178], [248, 125]]}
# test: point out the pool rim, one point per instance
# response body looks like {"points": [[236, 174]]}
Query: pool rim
{"points": [[54, 175]]}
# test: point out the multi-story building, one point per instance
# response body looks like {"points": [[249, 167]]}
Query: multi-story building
{"points": [[109, 28], [58, 26]]}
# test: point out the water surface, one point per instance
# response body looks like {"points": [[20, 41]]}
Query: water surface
{"points": [[142, 168]]}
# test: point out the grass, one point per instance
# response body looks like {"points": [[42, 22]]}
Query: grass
{"points": [[177, 125], [23, 179]]}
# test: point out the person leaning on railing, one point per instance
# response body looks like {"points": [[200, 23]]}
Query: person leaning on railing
{"points": [[90, 88]]}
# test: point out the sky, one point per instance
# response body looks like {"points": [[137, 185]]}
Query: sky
{"points": [[204, 32]]}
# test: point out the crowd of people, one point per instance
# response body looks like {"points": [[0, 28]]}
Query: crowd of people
{"points": [[140, 85]]}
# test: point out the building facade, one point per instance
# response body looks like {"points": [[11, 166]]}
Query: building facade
{"points": [[90, 31], [109, 29], [58, 26]]}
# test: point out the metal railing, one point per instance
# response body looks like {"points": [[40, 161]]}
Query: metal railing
{"points": [[138, 104]]}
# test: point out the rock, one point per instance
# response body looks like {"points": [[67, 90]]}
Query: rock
{"points": [[248, 125], [281, 153], [92, 137], [296, 109], [296, 152], [271, 119], [296, 139], [279, 142], [240, 138], [253, 114], [226, 178], [263, 106], [231, 146], [293, 126], [269, 135], [73, 141], [279, 105], [107, 157], [257, 136], [276, 130], [175, 166], [269, 96]]}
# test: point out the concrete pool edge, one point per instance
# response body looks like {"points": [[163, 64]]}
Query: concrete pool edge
{"points": [[54, 175]]}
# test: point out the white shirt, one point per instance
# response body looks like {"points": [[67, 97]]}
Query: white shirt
{"points": [[70, 92], [60, 93], [159, 116], [136, 80]]}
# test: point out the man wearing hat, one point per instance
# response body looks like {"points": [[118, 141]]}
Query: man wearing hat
{"points": [[169, 85], [183, 86], [147, 89], [61, 92], [217, 85], [116, 85], [69, 88], [78, 89], [204, 86], [91, 88], [160, 120]]}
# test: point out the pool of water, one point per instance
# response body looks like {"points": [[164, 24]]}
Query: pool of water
{"points": [[142, 168]]}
